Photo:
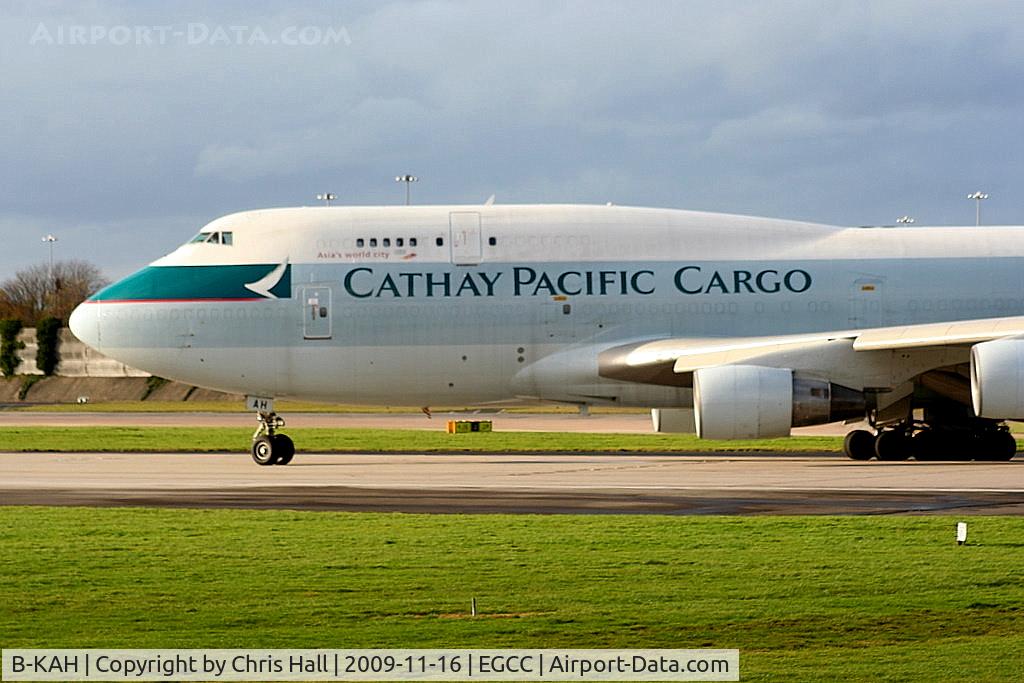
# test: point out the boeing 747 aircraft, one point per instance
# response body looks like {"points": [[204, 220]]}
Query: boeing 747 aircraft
{"points": [[742, 327]]}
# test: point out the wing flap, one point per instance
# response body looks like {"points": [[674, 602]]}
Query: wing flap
{"points": [[938, 334]]}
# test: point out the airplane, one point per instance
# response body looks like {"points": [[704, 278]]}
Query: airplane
{"points": [[735, 327]]}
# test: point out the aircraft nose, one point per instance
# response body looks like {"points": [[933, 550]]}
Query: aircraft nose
{"points": [[85, 323]]}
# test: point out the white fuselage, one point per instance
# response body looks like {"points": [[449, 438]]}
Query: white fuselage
{"points": [[476, 304]]}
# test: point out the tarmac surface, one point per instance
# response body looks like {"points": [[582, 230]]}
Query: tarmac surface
{"points": [[692, 483], [666, 484]]}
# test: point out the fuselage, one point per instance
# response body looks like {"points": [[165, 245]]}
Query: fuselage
{"points": [[445, 305]]}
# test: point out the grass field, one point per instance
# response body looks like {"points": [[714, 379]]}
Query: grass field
{"points": [[853, 598], [220, 439]]}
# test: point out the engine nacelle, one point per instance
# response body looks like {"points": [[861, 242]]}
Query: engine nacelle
{"points": [[754, 402], [673, 420], [997, 379]]}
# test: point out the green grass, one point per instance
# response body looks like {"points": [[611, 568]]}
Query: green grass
{"points": [[809, 598], [219, 439]]}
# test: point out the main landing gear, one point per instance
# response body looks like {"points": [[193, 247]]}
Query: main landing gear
{"points": [[976, 440], [269, 447]]}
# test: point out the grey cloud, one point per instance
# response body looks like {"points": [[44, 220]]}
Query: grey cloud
{"points": [[838, 112], [366, 129]]}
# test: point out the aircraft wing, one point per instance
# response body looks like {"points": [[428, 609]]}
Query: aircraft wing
{"points": [[669, 361], [938, 334]]}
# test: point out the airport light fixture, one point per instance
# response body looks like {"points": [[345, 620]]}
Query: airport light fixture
{"points": [[905, 219], [977, 197], [407, 179], [49, 240], [327, 197]]}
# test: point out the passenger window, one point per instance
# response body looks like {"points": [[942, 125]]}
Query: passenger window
{"points": [[440, 241], [492, 241], [360, 242], [399, 241], [387, 241], [227, 238], [412, 241], [373, 241]]}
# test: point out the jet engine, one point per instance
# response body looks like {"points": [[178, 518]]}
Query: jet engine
{"points": [[997, 379], [753, 402]]}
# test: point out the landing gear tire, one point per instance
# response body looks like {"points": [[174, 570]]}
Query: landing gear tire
{"points": [[1008, 447], [268, 446], [284, 449], [892, 445], [263, 451], [998, 446], [859, 445], [927, 446]]}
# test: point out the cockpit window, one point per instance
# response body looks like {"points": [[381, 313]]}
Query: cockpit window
{"points": [[213, 238]]}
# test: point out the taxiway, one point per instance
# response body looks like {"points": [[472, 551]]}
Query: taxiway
{"points": [[813, 483]]}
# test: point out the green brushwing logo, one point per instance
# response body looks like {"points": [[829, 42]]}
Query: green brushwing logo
{"points": [[202, 283], [265, 285]]}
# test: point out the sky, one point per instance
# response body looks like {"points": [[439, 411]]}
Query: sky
{"points": [[126, 126]]}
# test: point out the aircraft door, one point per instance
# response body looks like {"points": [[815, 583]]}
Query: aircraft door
{"points": [[558, 324], [465, 237], [316, 317], [867, 303]]}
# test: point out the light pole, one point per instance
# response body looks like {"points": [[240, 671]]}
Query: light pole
{"points": [[50, 239], [407, 179], [905, 219], [977, 197], [327, 197]]}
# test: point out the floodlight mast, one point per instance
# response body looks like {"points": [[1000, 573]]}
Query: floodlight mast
{"points": [[327, 197], [49, 240], [977, 197], [407, 179]]}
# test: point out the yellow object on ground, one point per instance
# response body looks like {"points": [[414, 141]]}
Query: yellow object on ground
{"points": [[467, 426]]}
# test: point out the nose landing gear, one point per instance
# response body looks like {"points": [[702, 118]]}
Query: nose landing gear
{"points": [[269, 447]]}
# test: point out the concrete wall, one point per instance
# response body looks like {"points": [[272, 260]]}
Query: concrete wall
{"points": [[76, 359], [86, 374]]}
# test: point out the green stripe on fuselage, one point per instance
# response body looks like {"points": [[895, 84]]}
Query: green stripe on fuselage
{"points": [[156, 283]]}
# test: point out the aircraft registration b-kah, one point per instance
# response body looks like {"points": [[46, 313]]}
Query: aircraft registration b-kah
{"points": [[738, 327]]}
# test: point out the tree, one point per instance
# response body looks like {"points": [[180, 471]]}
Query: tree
{"points": [[9, 347], [48, 345], [32, 295]]}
